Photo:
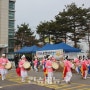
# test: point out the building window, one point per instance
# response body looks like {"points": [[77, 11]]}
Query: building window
{"points": [[11, 50], [11, 43], [11, 30], [11, 5], [11, 15], [11, 34], [11, 24]]}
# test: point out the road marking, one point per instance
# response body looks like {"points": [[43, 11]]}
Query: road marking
{"points": [[57, 86], [13, 85], [63, 86], [68, 86], [75, 87]]}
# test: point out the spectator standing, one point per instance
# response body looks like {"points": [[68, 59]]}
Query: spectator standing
{"points": [[16, 60]]}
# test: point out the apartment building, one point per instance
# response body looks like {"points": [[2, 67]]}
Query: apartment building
{"points": [[7, 25]]}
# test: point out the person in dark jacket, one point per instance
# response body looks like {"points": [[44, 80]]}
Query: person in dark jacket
{"points": [[16, 59]]}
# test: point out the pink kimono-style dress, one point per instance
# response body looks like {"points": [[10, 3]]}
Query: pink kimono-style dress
{"points": [[23, 71], [43, 63], [49, 70], [84, 65], [3, 71], [35, 65], [67, 74], [88, 66], [77, 64]]}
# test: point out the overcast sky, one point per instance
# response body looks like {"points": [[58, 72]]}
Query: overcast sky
{"points": [[32, 12]]}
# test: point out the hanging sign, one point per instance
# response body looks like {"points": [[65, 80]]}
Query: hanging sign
{"points": [[56, 53]]}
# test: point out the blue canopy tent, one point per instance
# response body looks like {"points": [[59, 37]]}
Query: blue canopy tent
{"points": [[45, 47], [21, 50], [32, 49], [25, 49], [65, 47]]}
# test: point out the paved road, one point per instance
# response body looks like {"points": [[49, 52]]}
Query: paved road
{"points": [[25, 87], [13, 82]]}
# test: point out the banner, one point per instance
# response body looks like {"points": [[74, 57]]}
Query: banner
{"points": [[56, 53]]}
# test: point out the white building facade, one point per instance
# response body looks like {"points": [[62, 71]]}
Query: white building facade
{"points": [[7, 25]]}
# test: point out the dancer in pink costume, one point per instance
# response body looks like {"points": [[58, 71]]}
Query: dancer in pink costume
{"points": [[49, 70], [23, 71], [67, 73], [3, 62]]}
